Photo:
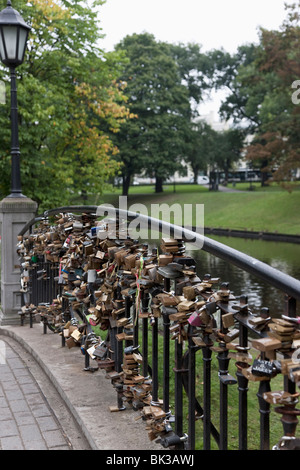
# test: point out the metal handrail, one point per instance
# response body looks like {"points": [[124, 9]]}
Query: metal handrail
{"points": [[185, 363], [284, 282]]}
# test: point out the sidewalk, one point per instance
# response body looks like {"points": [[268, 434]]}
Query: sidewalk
{"points": [[28, 419]]}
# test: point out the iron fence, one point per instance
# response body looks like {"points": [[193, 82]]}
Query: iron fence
{"points": [[180, 363]]}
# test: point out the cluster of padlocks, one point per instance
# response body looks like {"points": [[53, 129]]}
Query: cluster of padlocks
{"points": [[111, 283]]}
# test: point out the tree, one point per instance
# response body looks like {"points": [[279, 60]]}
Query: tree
{"points": [[196, 70], [155, 140], [69, 104], [277, 140], [237, 74], [260, 81], [228, 146], [200, 146]]}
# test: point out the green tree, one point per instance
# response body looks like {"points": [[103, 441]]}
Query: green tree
{"points": [[227, 149], [208, 148], [197, 71], [69, 104], [155, 139], [200, 146], [237, 75]]}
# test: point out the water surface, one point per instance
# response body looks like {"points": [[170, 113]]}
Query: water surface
{"points": [[282, 256]]}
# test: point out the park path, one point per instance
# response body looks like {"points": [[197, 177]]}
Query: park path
{"points": [[225, 189]]}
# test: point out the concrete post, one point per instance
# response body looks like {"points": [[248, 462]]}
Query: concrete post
{"points": [[14, 214]]}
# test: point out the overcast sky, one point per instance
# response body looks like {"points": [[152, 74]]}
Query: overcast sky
{"points": [[211, 23]]}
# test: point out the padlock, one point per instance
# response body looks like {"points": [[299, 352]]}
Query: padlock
{"points": [[261, 367], [195, 320]]}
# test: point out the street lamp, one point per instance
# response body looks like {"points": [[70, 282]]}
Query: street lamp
{"points": [[13, 40]]}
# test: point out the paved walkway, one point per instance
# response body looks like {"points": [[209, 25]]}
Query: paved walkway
{"points": [[26, 420], [48, 400], [226, 189]]}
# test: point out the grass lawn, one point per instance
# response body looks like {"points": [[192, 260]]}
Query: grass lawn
{"points": [[271, 209], [256, 186]]}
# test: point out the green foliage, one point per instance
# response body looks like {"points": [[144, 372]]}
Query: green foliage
{"points": [[155, 140], [69, 104], [260, 82], [237, 74], [85, 116], [206, 146], [196, 70], [200, 146]]}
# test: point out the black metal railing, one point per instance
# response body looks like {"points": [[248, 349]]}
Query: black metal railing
{"points": [[171, 427]]}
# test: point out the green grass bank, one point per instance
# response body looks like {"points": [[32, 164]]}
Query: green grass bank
{"points": [[270, 209]]}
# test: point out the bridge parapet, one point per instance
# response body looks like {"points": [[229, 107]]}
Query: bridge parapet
{"points": [[145, 315]]}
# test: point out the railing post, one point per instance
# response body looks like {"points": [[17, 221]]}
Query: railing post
{"points": [[144, 314], [243, 407], [225, 380], [135, 319], [290, 309], [207, 353], [127, 305], [289, 421], [113, 347], [33, 286], [242, 380], [191, 389], [154, 325], [166, 352], [264, 409], [86, 361], [224, 377], [223, 401], [119, 351], [63, 339], [290, 303], [178, 389], [166, 362], [44, 325]]}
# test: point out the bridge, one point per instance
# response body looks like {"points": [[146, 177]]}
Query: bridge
{"points": [[166, 335]]}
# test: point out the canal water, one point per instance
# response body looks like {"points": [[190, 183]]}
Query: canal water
{"points": [[283, 256]]}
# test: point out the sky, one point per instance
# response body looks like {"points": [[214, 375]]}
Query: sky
{"points": [[214, 24]]}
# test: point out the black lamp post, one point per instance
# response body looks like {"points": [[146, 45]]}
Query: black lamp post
{"points": [[13, 40]]}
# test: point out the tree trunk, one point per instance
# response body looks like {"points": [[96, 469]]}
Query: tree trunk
{"points": [[264, 174], [195, 171], [227, 171], [125, 185], [158, 184]]}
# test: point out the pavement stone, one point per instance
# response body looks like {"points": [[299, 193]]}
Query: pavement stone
{"points": [[12, 443], [26, 420], [71, 410]]}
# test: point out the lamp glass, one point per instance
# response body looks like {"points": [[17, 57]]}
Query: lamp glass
{"points": [[10, 38], [2, 50], [12, 44], [22, 43]]}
